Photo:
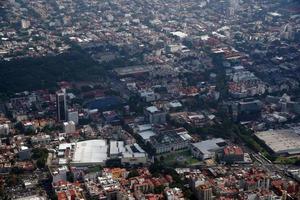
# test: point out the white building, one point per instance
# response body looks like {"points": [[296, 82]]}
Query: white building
{"points": [[208, 148], [129, 154], [4, 129], [90, 152], [69, 127], [41, 139]]}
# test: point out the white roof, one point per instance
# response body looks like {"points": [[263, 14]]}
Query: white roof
{"points": [[24, 148], [179, 34], [90, 151], [146, 134], [64, 146], [281, 140], [117, 147], [62, 161], [207, 146], [152, 109], [175, 104], [144, 127]]}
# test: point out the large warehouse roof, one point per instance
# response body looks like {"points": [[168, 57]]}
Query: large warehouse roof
{"points": [[90, 151], [281, 141]]}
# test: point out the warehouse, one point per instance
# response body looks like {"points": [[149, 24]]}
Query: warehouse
{"points": [[90, 152], [281, 141]]}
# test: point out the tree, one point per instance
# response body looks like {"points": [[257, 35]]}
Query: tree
{"points": [[133, 173], [70, 176], [41, 156], [40, 163], [20, 127], [159, 189]]}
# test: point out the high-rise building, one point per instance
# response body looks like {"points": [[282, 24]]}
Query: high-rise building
{"points": [[73, 116], [204, 192], [61, 106]]}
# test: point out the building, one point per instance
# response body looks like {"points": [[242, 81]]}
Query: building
{"points": [[128, 154], [73, 116], [168, 141], [4, 129], [174, 194], [59, 174], [61, 106], [90, 152], [41, 139], [110, 186], [25, 24], [250, 109], [155, 116], [232, 154], [207, 149], [24, 153], [281, 141], [99, 152], [204, 192], [148, 95], [173, 106], [111, 117], [134, 155], [69, 127]]}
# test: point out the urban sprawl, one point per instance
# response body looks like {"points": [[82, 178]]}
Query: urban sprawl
{"points": [[197, 99]]}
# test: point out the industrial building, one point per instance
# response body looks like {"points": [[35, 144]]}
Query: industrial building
{"points": [[281, 141], [98, 152], [90, 152]]}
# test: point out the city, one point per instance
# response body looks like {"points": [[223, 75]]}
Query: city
{"points": [[130, 99]]}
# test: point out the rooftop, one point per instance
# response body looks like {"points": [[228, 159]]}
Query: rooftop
{"points": [[90, 151], [281, 141]]}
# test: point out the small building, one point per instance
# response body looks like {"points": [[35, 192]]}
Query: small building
{"points": [[69, 127], [155, 116], [232, 154], [41, 139]]}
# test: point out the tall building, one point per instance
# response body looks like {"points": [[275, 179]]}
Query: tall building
{"points": [[73, 116], [61, 106], [204, 192]]}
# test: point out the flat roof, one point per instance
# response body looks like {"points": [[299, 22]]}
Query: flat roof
{"points": [[209, 145], [179, 34], [144, 127], [281, 140], [146, 134], [152, 109], [90, 151], [117, 147], [175, 104]]}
